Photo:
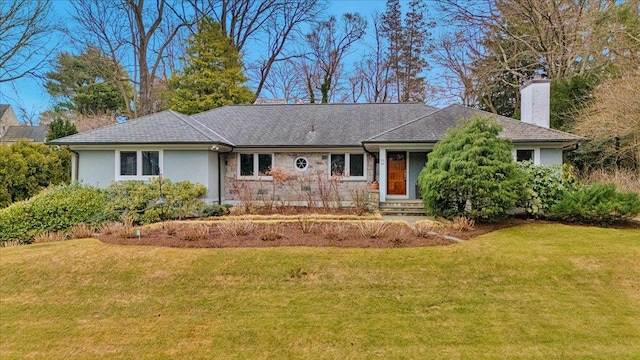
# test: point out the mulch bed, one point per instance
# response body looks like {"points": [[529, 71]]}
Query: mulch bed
{"points": [[290, 234]]}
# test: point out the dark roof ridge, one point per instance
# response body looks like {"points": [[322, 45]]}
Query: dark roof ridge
{"points": [[405, 124], [179, 116], [184, 118]]}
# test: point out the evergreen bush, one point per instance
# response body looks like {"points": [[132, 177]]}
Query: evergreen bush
{"points": [[471, 173], [142, 200], [598, 204], [55, 209]]}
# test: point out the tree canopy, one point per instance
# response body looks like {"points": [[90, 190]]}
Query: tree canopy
{"points": [[89, 83], [212, 75]]}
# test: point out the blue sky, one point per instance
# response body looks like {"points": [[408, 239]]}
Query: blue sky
{"points": [[28, 97]]}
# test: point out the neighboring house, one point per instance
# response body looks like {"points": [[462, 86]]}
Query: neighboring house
{"points": [[27, 133], [231, 149], [7, 118]]}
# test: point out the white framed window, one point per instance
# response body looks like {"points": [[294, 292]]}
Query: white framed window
{"points": [[525, 155], [350, 166], [254, 165], [301, 163], [138, 164]]}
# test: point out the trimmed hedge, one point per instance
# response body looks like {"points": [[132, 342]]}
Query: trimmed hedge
{"points": [[596, 204], [57, 208]]}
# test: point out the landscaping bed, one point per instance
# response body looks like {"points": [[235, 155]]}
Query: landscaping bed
{"points": [[288, 231]]}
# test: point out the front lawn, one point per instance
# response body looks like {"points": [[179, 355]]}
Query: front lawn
{"points": [[538, 291]]}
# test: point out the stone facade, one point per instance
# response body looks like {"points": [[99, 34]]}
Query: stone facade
{"points": [[292, 186]]}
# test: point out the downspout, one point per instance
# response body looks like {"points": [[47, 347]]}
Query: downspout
{"points": [[77, 160], [375, 162]]}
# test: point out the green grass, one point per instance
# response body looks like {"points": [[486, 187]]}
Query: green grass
{"points": [[538, 291]]}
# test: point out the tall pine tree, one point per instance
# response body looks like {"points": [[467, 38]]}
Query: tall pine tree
{"points": [[212, 75]]}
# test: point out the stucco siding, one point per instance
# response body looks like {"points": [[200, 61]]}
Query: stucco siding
{"points": [[550, 156], [194, 166], [96, 167]]}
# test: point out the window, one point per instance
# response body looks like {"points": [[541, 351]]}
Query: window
{"points": [[301, 163], [251, 165], [128, 163], [351, 166], [138, 164], [524, 155]]}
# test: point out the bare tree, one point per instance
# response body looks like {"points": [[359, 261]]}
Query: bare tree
{"points": [[284, 81], [453, 53], [329, 42], [614, 116], [27, 32], [373, 71], [139, 34], [267, 25]]}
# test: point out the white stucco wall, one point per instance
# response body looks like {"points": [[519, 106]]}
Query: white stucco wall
{"points": [[96, 167], [197, 166]]}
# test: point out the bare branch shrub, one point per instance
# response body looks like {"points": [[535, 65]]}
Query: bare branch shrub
{"points": [[372, 229], [236, 227], [271, 232], [193, 232], [306, 223]]}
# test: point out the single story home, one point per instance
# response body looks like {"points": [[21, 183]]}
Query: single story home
{"points": [[234, 150]]}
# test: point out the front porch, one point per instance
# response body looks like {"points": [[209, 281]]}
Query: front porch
{"points": [[399, 171]]}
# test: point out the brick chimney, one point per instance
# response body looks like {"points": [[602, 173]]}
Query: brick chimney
{"points": [[535, 96]]}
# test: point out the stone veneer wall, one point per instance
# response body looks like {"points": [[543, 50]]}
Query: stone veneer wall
{"points": [[301, 186]]}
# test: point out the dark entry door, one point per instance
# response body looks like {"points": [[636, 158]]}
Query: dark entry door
{"points": [[396, 173]]}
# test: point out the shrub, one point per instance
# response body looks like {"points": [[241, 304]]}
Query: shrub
{"points": [[471, 173], [126, 229], [335, 231], [236, 227], [597, 204], [372, 229], [28, 168], [544, 187], [56, 209], [170, 227], [426, 228], [271, 232], [306, 223], [192, 232], [109, 228], [141, 200], [216, 210], [80, 231], [49, 237], [462, 223]]}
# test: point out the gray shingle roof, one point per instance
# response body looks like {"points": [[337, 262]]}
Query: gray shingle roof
{"points": [[21, 132], [160, 128], [304, 125], [308, 124], [433, 127], [3, 109]]}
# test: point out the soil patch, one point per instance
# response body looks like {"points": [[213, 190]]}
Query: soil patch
{"points": [[289, 233]]}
